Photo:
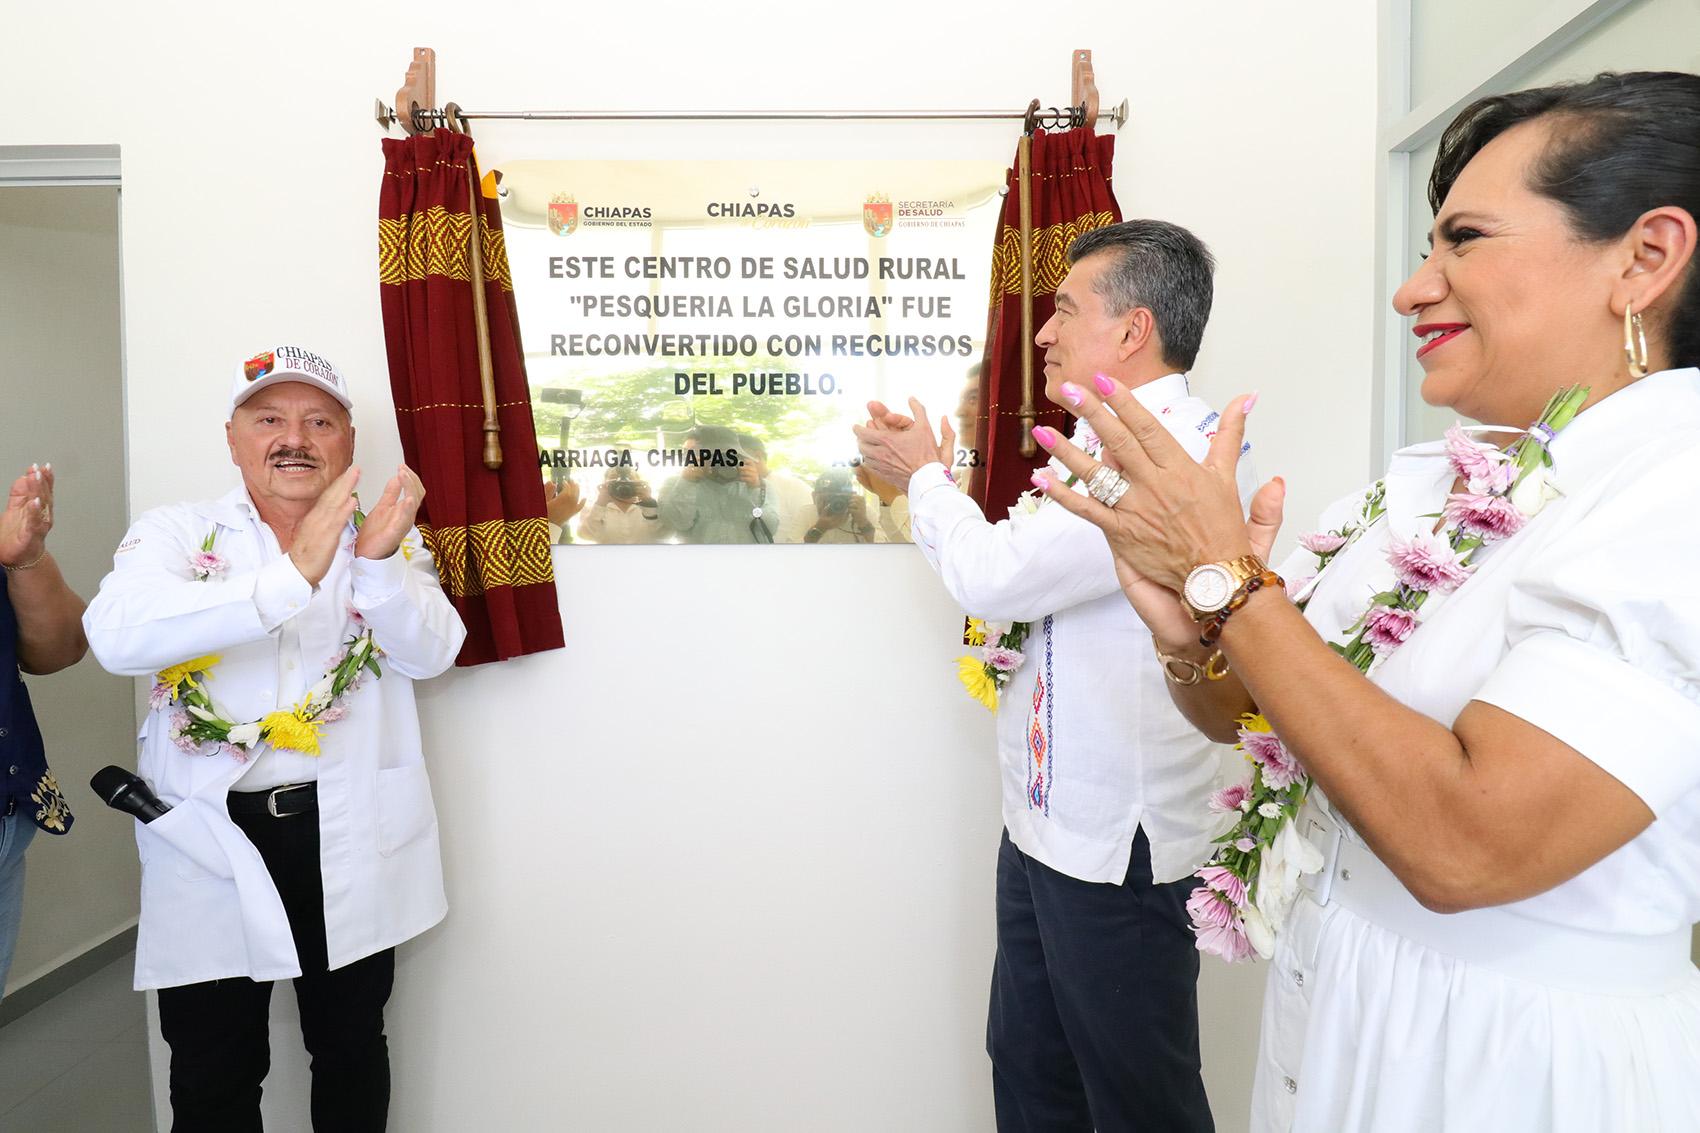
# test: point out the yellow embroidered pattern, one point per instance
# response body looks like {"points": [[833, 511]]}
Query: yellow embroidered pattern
{"points": [[497, 552], [434, 242], [1050, 255], [55, 813]]}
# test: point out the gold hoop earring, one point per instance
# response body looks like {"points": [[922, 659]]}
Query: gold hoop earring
{"points": [[1634, 342]]}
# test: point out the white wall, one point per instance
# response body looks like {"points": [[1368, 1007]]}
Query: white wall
{"points": [[755, 892]]}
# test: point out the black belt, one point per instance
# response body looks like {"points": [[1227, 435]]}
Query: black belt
{"points": [[279, 802]]}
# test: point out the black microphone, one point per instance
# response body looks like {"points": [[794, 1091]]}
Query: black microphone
{"points": [[123, 791]]}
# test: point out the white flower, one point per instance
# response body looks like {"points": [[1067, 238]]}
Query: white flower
{"points": [[1530, 494], [1284, 861], [320, 693], [1270, 810], [245, 735], [995, 632], [202, 712], [1027, 504], [1257, 930], [1245, 803]]}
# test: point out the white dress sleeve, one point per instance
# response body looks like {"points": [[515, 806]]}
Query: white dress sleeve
{"points": [[1603, 629]]}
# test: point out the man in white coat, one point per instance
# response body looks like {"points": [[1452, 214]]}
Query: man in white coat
{"points": [[308, 854], [1093, 1022]]}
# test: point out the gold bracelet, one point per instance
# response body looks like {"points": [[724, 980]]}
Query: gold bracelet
{"points": [[33, 563], [1215, 667]]}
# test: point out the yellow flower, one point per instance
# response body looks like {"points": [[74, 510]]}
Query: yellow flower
{"points": [[177, 674], [291, 730], [972, 672], [976, 634]]}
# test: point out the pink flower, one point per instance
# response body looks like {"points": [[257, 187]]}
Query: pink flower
{"points": [[180, 734], [1086, 438], [1223, 881], [1207, 908], [1228, 799], [1386, 628], [1485, 467], [1227, 941], [353, 614], [1322, 542], [161, 694], [1002, 658], [207, 564], [1487, 517], [1426, 562], [1246, 845], [1280, 769], [336, 711], [1295, 586], [232, 750]]}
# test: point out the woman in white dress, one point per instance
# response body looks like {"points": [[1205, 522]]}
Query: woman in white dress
{"points": [[1507, 807]]}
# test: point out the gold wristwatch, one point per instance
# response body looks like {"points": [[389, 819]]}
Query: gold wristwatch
{"points": [[1210, 586]]}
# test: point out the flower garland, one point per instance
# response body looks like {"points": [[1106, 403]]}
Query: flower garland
{"points": [[996, 657], [998, 645], [1252, 879], [197, 723]]}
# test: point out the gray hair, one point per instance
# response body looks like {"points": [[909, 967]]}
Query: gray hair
{"points": [[1161, 267]]}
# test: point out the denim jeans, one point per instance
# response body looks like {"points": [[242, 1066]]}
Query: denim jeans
{"points": [[16, 833]]}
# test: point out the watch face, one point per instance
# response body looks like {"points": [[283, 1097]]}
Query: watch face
{"points": [[1208, 588]]}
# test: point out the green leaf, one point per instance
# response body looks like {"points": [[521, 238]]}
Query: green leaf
{"points": [[372, 664]]}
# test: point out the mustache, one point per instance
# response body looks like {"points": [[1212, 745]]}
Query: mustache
{"points": [[293, 454]]}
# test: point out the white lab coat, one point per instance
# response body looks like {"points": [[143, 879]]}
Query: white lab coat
{"points": [[209, 908]]}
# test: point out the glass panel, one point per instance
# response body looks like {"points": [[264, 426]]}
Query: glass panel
{"points": [[1450, 38]]}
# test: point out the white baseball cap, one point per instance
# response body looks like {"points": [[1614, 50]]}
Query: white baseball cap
{"points": [[287, 364]]}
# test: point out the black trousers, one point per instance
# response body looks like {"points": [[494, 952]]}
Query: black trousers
{"points": [[1094, 1013], [219, 1032]]}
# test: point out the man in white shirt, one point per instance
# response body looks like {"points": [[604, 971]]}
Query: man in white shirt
{"points": [[625, 510], [301, 842], [1093, 1023]]}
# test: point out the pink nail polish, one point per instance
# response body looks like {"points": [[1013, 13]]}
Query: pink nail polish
{"points": [[1041, 481], [1073, 393], [1246, 406], [1105, 386], [1044, 436]]}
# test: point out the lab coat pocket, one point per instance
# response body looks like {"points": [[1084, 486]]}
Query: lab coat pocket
{"points": [[405, 811], [181, 834]]}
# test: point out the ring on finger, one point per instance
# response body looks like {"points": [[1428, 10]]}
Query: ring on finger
{"points": [[1100, 478], [1107, 486]]}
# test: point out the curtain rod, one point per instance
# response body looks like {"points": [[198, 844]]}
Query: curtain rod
{"points": [[1073, 116]]}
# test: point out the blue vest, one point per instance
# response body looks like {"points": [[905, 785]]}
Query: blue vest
{"points": [[26, 785]]}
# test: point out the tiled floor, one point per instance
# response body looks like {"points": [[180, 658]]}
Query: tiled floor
{"points": [[79, 1062]]}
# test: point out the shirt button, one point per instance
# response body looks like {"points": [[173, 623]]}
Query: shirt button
{"points": [[14, 769], [3, 732], [1289, 1085], [1298, 977], [1345, 875]]}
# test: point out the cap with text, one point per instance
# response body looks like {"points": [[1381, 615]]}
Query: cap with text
{"points": [[288, 364]]}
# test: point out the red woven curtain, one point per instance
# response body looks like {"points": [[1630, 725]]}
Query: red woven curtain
{"points": [[486, 530], [1071, 194]]}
